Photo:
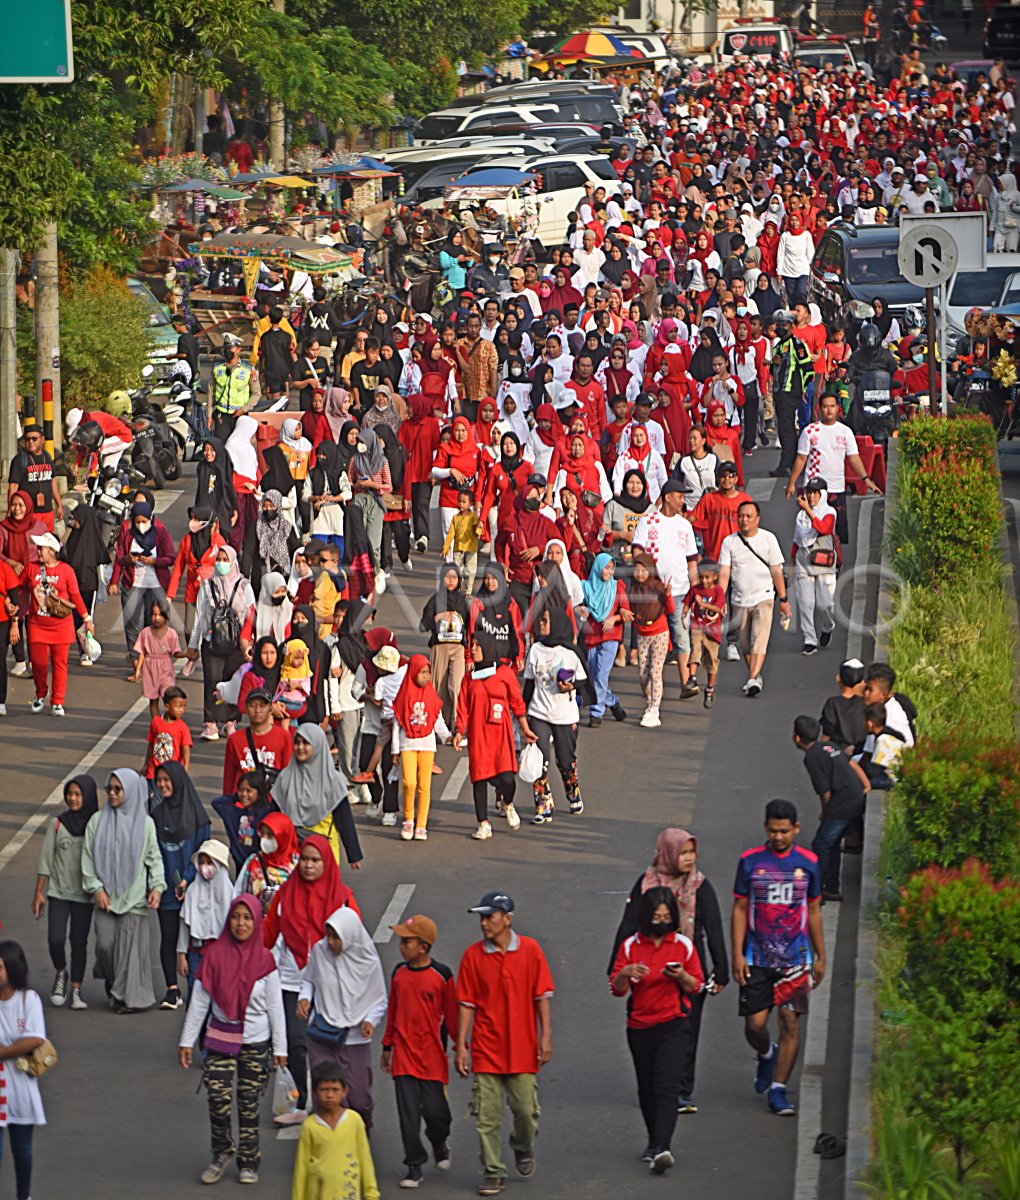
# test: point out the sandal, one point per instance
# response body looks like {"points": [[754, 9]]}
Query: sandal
{"points": [[827, 1145]]}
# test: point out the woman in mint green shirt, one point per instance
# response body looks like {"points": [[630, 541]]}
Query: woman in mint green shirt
{"points": [[122, 870]]}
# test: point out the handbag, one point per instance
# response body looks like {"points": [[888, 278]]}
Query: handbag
{"points": [[320, 1030], [47, 598], [394, 502], [223, 1036], [41, 1058]]}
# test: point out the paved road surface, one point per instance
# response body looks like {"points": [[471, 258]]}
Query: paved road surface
{"points": [[124, 1116]]}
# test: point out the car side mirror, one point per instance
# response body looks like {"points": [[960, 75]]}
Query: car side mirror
{"points": [[147, 370], [831, 277]]}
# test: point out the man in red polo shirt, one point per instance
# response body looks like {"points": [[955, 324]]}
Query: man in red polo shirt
{"points": [[503, 989]]}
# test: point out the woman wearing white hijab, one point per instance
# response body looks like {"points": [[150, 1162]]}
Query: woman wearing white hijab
{"points": [[122, 870], [814, 565], [273, 608], [573, 585], [344, 988], [244, 458]]}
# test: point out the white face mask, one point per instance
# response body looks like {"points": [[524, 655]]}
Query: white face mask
{"points": [[269, 845], [207, 870], [362, 448], [143, 526]]}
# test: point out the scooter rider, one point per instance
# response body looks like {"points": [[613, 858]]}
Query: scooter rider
{"points": [[117, 437], [235, 388], [491, 276], [870, 354]]}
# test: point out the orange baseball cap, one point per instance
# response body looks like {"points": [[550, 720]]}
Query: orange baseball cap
{"points": [[418, 927]]}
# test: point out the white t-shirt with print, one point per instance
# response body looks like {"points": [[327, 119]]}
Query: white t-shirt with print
{"points": [[827, 448], [548, 703], [750, 578], [21, 1017], [670, 542]]}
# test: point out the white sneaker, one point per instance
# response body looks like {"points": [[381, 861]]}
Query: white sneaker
{"points": [[209, 732], [229, 728], [373, 811], [3, 710], [753, 686], [19, 670], [408, 565], [38, 704], [85, 661], [407, 830], [57, 710], [421, 545], [732, 653], [294, 1117], [388, 819], [483, 832], [421, 834], [512, 816], [650, 719], [380, 582], [77, 1002]]}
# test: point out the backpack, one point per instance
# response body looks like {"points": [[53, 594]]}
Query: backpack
{"points": [[224, 625], [909, 711]]}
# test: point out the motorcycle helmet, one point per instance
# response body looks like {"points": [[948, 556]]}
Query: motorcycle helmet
{"points": [[89, 436], [870, 337], [912, 317], [118, 403], [73, 420]]}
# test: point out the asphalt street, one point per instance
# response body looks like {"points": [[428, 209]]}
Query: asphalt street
{"points": [[125, 1118]]}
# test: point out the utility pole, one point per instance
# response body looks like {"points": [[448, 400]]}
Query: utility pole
{"points": [[276, 116], [199, 115], [8, 358], [47, 339]]}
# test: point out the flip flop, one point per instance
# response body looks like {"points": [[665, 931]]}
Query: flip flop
{"points": [[827, 1145]]}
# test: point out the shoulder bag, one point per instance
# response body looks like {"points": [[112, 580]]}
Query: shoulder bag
{"points": [[39, 1061], [320, 1030]]}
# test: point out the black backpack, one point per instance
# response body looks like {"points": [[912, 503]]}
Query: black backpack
{"points": [[224, 625]]}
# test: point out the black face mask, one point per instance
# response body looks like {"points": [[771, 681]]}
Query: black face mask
{"points": [[271, 514], [278, 599], [532, 503], [660, 927], [299, 628]]}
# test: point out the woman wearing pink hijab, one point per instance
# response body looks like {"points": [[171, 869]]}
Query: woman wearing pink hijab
{"points": [[675, 866]]}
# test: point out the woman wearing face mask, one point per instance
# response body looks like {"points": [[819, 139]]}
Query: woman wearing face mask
{"points": [[84, 552], [371, 480], [657, 968], [224, 617], [181, 827], [122, 871], [520, 546], [272, 860], [59, 884], [205, 908], [195, 557], [275, 538], [294, 923], [143, 570], [343, 988], [274, 608], [675, 866]]}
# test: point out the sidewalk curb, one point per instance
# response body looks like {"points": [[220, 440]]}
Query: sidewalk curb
{"points": [[858, 1141]]}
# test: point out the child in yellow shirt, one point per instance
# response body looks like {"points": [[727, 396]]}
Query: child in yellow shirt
{"points": [[334, 1161], [464, 534]]}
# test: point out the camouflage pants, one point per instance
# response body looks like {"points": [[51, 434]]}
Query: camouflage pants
{"points": [[251, 1067]]}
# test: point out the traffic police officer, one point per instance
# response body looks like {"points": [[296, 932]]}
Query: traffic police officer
{"points": [[234, 388]]}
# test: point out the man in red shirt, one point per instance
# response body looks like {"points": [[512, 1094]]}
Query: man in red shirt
{"points": [[715, 514], [503, 988], [273, 745]]}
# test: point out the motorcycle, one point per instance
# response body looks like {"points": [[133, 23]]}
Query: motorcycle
{"points": [[185, 414], [155, 446], [877, 412], [111, 487]]}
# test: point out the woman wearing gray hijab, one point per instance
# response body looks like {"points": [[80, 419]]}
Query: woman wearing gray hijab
{"points": [[313, 793], [371, 481], [122, 870]]}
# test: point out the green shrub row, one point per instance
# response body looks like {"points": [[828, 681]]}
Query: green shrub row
{"points": [[948, 1054]]}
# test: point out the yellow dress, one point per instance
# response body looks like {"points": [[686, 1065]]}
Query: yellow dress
{"points": [[334, 1164]]}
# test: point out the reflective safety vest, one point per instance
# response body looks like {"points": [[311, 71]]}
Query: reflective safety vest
{"points": [[231, 387]]}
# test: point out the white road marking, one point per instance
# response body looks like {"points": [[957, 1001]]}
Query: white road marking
{"points": [[809, 1101], [394, 911], [456, 780], [56, 798], [763, 490]]}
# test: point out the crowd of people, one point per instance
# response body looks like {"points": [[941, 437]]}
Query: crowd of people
{"points": [[584, 424]]}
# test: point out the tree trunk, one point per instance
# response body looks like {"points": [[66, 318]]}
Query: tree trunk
{"points": [[47, 329], [276, 118]]}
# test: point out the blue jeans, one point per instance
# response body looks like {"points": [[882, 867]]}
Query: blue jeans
{"points": [[828, 845], [679, 634], [600, 663], [21, 1152]]}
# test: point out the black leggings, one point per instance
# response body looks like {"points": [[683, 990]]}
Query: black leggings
{"points": [[658, 1052], [401, 539], [216, 669], [297, 1047], [505, 784], [169, 923], [750, 416], [5, 636], [421, 498], [79, 914]]}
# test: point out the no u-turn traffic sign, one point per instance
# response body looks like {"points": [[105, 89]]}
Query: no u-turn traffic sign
{"points": [[927, 255]]}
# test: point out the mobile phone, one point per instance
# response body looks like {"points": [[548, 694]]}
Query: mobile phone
{"points": [[675, 966]]}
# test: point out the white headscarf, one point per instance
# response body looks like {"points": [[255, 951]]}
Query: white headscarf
{"points": [[804, 533], [240, 450], [573, 585], [290, 434], [272, 620], [207, 901], [349, 986]]}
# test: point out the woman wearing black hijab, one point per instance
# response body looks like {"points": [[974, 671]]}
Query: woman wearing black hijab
{"points": [[303, 625], [59, 884], [181, 827], [616, 262], [701, 360], [766, 297], [347, 446], [85, 552], [495, 612], [215, 483], [349, 651], [445, 619]]}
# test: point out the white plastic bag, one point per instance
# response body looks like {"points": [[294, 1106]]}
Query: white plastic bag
{"points": [[531, 763], [90, 646], [285, 1092], [229, 690]]}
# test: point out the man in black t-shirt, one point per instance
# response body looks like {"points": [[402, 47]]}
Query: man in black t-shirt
{"points": [[365, 376], [187, 344], [841, 786], [32, 472], [276, 355]]}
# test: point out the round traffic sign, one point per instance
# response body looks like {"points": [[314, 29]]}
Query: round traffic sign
{"points": [[927, 255]]}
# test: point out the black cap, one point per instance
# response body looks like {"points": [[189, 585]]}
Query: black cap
{"points": [[675, 485], [258, 694], [726, 468], [537, 480], [493, 902], [645, 399]]}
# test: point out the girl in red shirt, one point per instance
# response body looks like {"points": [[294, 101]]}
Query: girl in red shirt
{"points": [[456, 466]]}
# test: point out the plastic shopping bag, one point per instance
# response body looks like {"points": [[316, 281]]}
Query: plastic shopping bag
{"points": [[285, 1092], [531, 763], [229, 690]]}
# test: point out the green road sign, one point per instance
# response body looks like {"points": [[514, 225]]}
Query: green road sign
{"points": [[35, 42]]}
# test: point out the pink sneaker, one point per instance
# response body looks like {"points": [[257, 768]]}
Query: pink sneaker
{"points": [[229, 728], [209, 732]]}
